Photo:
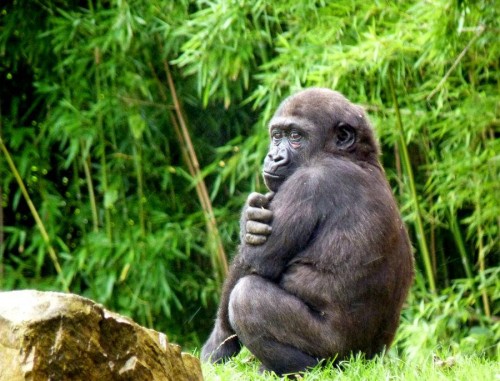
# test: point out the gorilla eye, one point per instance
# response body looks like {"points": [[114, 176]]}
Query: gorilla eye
{"points": [[276, 136], [346, 136], [294, 136]]}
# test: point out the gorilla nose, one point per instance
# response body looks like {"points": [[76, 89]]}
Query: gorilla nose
{"points": [[280, 157], [278, 160]]}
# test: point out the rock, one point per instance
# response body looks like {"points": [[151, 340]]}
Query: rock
{"points": [[55, 336]]}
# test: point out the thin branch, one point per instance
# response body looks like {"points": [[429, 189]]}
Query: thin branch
{"points": [[219, 261], [413, 191], [222, 265], [102, 145], [134, 101], [441, 83], [34, 212], [1, 210], [90, 187]]}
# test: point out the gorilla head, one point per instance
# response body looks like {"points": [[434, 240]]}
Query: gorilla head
{"points": [[316, 122]]}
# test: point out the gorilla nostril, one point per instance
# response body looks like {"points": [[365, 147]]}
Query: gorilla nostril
{"points": [[279, 159]]}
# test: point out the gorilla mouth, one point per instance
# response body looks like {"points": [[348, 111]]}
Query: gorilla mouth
{"points": [[272, 175]]}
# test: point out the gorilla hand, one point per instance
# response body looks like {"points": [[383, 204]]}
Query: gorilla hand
{"points": [[257, 218]]}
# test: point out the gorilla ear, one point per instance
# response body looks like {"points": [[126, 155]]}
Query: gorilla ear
{"points": [[345, 136]]}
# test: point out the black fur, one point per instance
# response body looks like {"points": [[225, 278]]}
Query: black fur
{"points": [[325, 262]]}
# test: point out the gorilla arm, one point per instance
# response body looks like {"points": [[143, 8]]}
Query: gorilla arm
{"points": [[293, 220], [254, 230], [295, 217]]}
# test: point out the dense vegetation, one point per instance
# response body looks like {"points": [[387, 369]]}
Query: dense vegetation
{"points": [[132, 131]]}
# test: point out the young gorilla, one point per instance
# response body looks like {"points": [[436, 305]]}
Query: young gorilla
{"points": [[325, 262]]}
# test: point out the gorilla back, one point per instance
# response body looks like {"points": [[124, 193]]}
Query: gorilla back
{"points": [[325, 262]]}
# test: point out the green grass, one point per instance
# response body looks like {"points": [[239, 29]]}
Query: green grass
{"points": [[389, 367]]}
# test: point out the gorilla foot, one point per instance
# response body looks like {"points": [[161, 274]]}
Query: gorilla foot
{"points": [[219, 351]]}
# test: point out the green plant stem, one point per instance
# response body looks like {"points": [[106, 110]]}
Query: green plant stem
{"points": [[413, 191], [90, 187], [219, 261], [456, 62], [140, 187], [104, 175], [1, 213], [1, 235], [482, 269], [481, 254], [457, 235], [34, 213], [222, 266]]}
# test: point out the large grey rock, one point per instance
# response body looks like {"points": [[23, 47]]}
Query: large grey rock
{"points": [[55, 336]]}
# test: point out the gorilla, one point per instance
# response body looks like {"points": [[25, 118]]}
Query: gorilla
{"points": [[325, 262]]}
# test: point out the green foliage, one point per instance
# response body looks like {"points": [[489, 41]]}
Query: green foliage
{"points": [[87, 116], [245, 367], [451, 322]]}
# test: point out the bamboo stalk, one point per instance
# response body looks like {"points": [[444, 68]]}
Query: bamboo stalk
{"points": [[1, 212], [413, 191], [219, 261], [140, 186], [1, 236], [482, 269], [459, 241], [432, 233], [399, 172], [90, 187], [34, 213], [222, 266], [185, 155], [441, 83], [482, 252], [100, 126]]}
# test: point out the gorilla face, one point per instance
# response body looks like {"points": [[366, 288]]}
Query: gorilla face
{"points": [[289, 146], [314, 123]]}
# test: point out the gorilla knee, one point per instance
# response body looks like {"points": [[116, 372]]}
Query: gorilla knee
{"points": [[242, 302]]}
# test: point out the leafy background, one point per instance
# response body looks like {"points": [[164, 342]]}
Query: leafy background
{"points": [[132, 131]]}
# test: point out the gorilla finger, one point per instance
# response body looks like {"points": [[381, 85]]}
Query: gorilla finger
{"points": [[255, 240], [254, 227], [259, 214], [269, 196], [258, 200]]}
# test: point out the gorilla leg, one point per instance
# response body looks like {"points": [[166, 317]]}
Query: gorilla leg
{"points": [[280, 358], [277, 327], [221, 345]]}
